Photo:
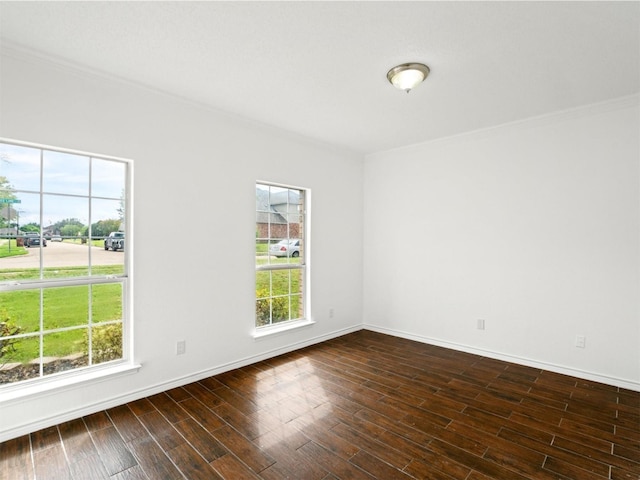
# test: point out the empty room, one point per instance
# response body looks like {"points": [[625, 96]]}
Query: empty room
{"points": [[320, 240]]}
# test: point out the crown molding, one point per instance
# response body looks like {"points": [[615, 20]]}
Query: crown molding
{"points": [[547, 119]]}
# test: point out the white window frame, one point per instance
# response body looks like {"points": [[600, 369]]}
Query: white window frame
{"points": [[303, 266], [14, 392]]}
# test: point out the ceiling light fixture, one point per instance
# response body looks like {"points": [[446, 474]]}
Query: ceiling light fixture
{"points": [[408, 75]]}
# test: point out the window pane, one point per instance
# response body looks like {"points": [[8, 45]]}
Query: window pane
{"points": [[106, 302], [106, 216], [19, 212], [263, 284], [107, 178], [64, 351], [66, 307], [17, 222], [281, 282], [23, 361], [66, 223], [297, 287], [26, 214], [108, 236], [263, 312], [65, 173], [281, 311], [21, 309], [20, 167], [262, 251], [106, 343], [65, 216]]}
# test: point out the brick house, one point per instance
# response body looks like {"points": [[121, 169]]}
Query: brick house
{"points": [[277, 214]]}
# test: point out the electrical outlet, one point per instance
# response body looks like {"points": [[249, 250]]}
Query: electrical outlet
{"points": [[481, 324], [181, 347], [581, 341], [331, 313]]}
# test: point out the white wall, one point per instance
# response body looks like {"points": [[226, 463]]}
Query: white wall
{"points": [[533, 227], [195, 173]]}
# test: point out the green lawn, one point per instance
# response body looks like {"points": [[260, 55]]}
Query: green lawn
{"points": [[79, 241], [277, 292], [7, 274], [8, 248], [62, 307]]}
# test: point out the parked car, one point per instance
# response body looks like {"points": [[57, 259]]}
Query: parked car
{"points": [[286, 248], [56, 238], [33, 240], [115, 241]]}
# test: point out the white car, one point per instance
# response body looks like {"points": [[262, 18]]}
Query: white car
{"points": [[285, 248]]}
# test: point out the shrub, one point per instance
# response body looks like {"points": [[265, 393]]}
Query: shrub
{"points": [[278, 305], [7, 329], [106, 343]]}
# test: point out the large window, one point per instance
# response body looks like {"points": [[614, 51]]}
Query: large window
{"points": [[63, 262], [281, 267]]}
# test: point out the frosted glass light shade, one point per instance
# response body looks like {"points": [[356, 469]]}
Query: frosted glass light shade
{"points": [[408, 75]]}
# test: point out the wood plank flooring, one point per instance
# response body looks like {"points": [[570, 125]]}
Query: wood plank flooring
{"points": [[362, 406]]}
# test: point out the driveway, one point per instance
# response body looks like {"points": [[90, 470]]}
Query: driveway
{"points": [[63, 254]]}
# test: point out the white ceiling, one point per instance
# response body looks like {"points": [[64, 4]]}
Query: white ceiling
{"points": [[319, 68]]}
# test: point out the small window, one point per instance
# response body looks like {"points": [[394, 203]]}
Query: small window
{"points": [[281, 266], [63, 262]]}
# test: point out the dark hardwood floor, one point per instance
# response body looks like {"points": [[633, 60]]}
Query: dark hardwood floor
{"points": [[361, 406]]}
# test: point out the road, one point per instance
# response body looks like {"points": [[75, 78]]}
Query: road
{"points": [[63, 254]]}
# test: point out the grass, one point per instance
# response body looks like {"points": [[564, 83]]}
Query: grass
{"points": [[8, 274], [278, 289], [79, 241], [9, 248], [62, 307]]}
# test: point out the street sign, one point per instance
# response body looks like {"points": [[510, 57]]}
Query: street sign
{"points": [[10, 200]]}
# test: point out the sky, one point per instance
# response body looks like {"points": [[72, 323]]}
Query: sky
{"points": [[73, 185]]}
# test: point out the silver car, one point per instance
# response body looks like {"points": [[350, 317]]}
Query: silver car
{"points": [[285, 248]]}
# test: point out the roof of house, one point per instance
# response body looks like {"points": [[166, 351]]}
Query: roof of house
{"points": [[265, 213]]}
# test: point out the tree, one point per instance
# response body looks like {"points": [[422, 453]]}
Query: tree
{"points": [[6, 189], [30, 227], [59, 225], [103, 228], [7, 212], [121, 207], [71, 230], [69, 227]]}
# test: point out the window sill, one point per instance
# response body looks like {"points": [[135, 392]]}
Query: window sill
{"points": [[50, 386], [263, 332]]}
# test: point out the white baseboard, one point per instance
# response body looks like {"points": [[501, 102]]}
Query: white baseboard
{"points": [[161, 387], [617, 382]]}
